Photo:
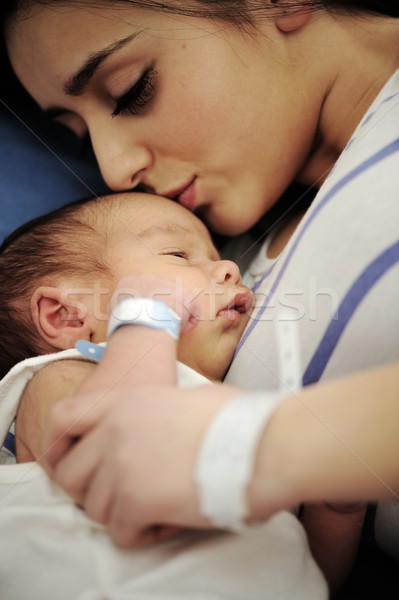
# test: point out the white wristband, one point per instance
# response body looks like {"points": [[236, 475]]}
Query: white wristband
{"points": [[227, 456], [146, 312]]}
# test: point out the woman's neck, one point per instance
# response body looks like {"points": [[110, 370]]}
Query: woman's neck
{"points": [[362, 55]]}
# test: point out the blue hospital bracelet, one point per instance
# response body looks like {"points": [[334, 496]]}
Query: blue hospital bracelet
{"points": [[146, 313]]}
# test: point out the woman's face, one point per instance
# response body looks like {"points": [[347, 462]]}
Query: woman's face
{"points": [[197, 111]]}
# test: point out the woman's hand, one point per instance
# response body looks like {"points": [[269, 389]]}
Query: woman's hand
{"points": [[334, 531], [132, 466]]}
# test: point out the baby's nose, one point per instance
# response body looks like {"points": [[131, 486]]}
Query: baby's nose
{"points": [[226, 270]]}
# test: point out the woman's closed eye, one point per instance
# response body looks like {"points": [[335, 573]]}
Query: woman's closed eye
{"points": [[139, 95]]}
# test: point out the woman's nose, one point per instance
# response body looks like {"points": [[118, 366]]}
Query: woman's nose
{"points": [[226, 270], [123, 161]]}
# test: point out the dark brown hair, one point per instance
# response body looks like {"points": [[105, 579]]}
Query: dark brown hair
{"points": [[237, 12]]}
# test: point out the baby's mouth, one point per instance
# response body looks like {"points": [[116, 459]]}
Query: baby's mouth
{"points": [[241, 303]]}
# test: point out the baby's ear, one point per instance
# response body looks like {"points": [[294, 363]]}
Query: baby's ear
{"points": [[59, 317], [292, 16]]}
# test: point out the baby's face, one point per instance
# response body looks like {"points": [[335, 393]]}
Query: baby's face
{"points": [[156, 236]]}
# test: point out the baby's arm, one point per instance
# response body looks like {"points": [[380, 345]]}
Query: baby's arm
{"points": [[148, 357], [54, 381], [334, 532]]}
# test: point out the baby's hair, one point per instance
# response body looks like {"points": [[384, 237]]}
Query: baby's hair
{"points": [[69, 241]]}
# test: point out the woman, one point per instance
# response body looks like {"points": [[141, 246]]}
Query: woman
{"points": [[220, 106]]}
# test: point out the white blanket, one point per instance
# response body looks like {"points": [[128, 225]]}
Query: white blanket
{"points": [[50, 549]]}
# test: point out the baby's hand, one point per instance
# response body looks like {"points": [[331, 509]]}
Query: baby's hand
{"points": [[178, 298]]}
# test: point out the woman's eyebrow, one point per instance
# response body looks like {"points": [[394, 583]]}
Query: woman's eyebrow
{"points": [[78, 82]]}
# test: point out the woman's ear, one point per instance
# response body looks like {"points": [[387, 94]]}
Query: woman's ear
{"points": [[60, 318], [292, 15]]}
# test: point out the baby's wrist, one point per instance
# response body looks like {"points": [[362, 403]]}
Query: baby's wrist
{"points": [[144, 312]]}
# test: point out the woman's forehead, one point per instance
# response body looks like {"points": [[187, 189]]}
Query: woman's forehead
{"points": [[66, 35], [84, 24], [52, 44]]}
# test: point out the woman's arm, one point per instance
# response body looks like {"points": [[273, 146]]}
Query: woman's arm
{"points": [[334, 441], [133, 467]]}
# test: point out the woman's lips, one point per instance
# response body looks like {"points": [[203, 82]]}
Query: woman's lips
{"points": [[188, 197], [184, 194]]}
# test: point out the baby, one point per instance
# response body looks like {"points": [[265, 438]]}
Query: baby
{"points": [[59, 276]]}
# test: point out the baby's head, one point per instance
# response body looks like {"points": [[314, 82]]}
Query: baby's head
{"points": [[58, 274], [45, 251]]}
